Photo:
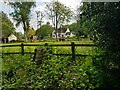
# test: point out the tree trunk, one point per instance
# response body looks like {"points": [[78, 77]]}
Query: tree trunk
{"points": [[25, 30], [25, 35], [56, 27]]}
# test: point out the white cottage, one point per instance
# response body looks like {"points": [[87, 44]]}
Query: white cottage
{"points": [[12, 37], [62, 32]]}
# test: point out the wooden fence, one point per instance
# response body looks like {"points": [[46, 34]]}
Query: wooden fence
{"points": [[72, 45]]}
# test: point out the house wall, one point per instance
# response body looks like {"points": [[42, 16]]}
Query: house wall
{"points": [[60, 35], [12, 37]]}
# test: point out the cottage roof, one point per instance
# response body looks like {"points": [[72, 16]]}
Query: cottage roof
{"points": [[67, 31], [61, 30]]}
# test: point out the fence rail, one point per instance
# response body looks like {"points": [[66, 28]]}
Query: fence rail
{"points": [[72, 45], [89, 45]]}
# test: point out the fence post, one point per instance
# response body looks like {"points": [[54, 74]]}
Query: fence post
{"points": [[34, 54], [22, 48], [73, 50], [46, 46]]}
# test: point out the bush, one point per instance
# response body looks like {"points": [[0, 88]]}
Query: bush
{"points": [[71, 38], [102, 22]]}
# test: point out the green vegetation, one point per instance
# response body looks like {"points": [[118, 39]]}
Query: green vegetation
{"points": [[7, 25], [30, 33], [102, 21], [99, 22], [55, 72], [44, 30], [21, 14]]}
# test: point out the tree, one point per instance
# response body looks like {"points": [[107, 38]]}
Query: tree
{"points": [[30, 33], [85, 25], [7, 25], [40, 16], [105, 18], [58, 13], [72, 27], [19, 35], [21, 14], [44, 30]]}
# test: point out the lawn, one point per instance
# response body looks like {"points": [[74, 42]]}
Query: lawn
{"points": [[56, 49], [82, 41]]}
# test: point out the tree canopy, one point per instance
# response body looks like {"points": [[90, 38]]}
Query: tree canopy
{"points": [[31, 32], [44, 30], [21, 14], [58, 13], [103, 21], [7, 25]]}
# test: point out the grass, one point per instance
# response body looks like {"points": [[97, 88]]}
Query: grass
{"points": [[60, 49], [82, 41]]}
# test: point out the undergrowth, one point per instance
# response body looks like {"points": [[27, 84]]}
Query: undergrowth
{"points": [[55, 72]]}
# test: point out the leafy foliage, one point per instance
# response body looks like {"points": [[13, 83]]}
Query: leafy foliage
{"points": [[7, 25], [104, 26], [30, 32], [73, 27], [54, 72], [44, 30], [21, 14]]}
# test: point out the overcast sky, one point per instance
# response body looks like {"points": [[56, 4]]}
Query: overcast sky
{"points": [[73, 4]]}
